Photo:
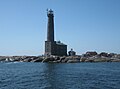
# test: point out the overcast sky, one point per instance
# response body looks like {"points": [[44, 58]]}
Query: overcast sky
{"points": [[84, 25]]}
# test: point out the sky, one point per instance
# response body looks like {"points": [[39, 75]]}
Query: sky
{"points": [[84, 25]]}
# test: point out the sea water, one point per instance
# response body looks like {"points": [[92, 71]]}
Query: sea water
{"points": [[17, 75]]}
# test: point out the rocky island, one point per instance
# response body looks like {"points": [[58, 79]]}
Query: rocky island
{"points": [[87, 57]]}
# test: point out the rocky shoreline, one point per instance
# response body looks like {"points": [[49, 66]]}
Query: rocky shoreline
{"points": [[87, 57]]}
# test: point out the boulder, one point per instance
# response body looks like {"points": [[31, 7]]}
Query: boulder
{"points": [[48, 59], [83, 59], [62, 58], [17, 59], [57, 58], [73, 61], [102, 60], [27, 60], [117, 56], [4, 58], [90, 53], [115, 60], [38, 60], [89, 60], [54, 61], [103, 54], [111, 55]]}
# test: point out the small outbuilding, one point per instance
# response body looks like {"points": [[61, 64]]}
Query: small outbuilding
{"points": [[71, 53]]}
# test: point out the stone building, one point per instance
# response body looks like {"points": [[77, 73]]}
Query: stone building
{"points": [[53, 47]]}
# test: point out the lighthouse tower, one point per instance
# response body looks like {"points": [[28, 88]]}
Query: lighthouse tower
{"points": [[53, 47], [50, 26]]}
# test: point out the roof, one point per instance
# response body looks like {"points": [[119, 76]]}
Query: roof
{"points": [[59, 43]]}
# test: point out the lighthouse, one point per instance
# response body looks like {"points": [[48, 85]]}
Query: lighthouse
{"points": [[53, 47]]}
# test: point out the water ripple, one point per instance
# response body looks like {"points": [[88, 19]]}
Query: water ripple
{"points": [[59, 76]]}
